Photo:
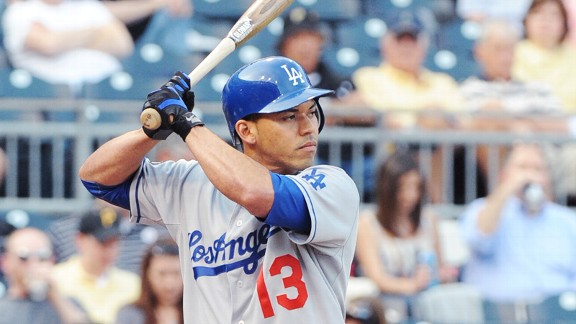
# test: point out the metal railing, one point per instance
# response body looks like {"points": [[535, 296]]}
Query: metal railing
{"points": [[46, 141]]}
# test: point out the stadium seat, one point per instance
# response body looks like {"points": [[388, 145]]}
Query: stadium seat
{"points": [[331, 10], [120, 86], [363, 34], [345, 60], [452, 50], [356, 44], [221, 8], [386, 8], [20, 83], [151, 61], [555, 309], [449, 303], [265, 41]]}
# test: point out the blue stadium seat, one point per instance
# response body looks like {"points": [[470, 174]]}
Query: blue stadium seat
{"points": [[346, 60], [121, 86], [221, 8], [265, 41], [209, 89], [151, 61], [386, 8], [331, 10], [356, 44], [21, 84], [555, 309], [452, 50], [363, 33]]}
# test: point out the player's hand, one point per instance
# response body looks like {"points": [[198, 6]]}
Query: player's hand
{"points": [[174, 102]]}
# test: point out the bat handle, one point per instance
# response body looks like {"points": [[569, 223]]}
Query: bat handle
{"points": [[150, 119]]}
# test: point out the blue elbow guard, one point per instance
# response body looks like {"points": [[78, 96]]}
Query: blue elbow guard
{"points": [[118, 195], [289, 210]]}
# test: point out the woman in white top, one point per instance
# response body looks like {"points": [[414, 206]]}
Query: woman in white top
{"points": [[398, 246]]}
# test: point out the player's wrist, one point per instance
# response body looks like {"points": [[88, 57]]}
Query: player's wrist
{"points": [[185, 123]]}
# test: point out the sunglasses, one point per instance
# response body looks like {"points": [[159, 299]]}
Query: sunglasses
{"points": [[40, 255]]}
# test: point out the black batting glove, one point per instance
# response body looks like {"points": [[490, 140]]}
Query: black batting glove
{"points": [[174, 102]]}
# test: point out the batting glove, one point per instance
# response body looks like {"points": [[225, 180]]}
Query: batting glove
{"points": [[174, 102]]}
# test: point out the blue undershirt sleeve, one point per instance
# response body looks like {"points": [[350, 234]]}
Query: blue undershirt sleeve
{"points": [[289, 210], [118, 195]]}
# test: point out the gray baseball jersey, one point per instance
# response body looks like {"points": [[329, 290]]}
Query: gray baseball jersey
{"points": [[236, 268]]}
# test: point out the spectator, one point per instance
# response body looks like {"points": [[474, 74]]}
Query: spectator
{"points": [[303, 40], [401, 85], [133, 241], [500, 103], [90, 276], [162, 288], [409, 95], [571, 11], [495, 90], [32, 297], [521, 242], [398, 245], [65, 42], [165, 22], [544, 56]]}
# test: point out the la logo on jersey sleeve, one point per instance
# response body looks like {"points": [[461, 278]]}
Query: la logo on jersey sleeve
{"points": [[315, 179]]}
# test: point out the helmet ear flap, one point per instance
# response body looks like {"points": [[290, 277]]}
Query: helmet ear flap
{"points": [[321, 117]]}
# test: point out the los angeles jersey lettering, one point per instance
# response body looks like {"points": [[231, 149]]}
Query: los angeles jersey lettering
{"points": [[237, 268]]}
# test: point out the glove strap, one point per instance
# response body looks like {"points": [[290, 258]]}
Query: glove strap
{"points": [[185, 123]]}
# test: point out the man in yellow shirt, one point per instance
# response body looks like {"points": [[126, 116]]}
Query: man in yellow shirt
{"points": [[90, 277], [401, 86], [409, 95]]}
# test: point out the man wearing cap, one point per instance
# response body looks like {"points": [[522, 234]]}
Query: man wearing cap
{"points": [[411, 96], [90, 276], [402, 83]]}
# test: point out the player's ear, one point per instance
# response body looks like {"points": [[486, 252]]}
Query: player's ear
{"points": [[246, 130]]}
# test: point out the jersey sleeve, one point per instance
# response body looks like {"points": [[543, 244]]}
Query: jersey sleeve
{"points": [[333, 202], [158, 191]]}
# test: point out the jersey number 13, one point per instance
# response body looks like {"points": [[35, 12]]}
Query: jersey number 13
{"points": [[294, 280]]}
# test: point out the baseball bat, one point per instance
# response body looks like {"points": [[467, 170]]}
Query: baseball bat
{"points": [[256, 17]]}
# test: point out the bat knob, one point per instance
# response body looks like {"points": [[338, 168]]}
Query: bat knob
{"points": [[150, 119]]}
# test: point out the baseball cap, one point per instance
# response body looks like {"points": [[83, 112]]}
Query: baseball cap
{"points": [[406, 23], [103, 224]]}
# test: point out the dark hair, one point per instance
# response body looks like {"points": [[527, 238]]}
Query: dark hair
{"points": [[387, 183], [537, 3], [148, 301], [299, 21]]}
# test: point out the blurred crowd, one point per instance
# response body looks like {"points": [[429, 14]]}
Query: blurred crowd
{"points": [[97, 267]]}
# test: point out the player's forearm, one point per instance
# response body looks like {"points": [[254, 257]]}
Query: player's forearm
{"points": [[236, 175], [117, 159]]}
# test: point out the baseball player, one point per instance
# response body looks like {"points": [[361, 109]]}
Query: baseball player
{"points": [[264, 236]]}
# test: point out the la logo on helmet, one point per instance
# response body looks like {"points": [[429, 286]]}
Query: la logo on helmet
{"points": [[293, 75]]}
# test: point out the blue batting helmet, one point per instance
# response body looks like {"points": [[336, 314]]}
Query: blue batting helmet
{"points": [[268, 85]]}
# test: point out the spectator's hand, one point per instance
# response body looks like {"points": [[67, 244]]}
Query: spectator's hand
{"points": [[179, 8], [422, 277]]}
